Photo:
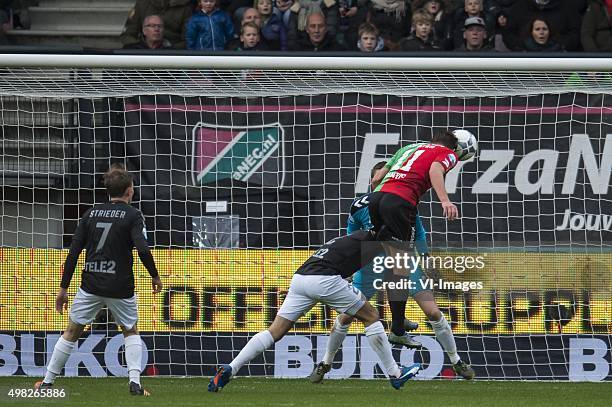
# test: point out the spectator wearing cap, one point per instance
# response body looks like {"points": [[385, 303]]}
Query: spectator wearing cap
{"points": [[562, 16], [596, 31], [474, 36], [471, 8], [152, 35]]}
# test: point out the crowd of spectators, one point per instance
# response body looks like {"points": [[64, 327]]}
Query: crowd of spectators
{"points": [[365, 25]]}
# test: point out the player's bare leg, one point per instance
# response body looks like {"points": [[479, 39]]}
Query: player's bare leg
{"points": [[61, 352], [255, 346], [133, 358], [443, 331]]}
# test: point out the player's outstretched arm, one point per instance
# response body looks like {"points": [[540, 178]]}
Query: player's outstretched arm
{"points": [[436, 176]]}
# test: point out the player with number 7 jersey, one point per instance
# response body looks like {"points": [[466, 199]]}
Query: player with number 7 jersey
{"points": [[108, 232]]}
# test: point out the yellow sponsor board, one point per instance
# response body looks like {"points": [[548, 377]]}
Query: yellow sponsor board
{"points": [[241, 290]]}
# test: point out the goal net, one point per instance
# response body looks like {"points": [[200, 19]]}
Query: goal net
{"points": [[242, 170]]}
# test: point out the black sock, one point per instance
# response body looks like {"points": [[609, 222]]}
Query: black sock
{"points": [[398, 314]]}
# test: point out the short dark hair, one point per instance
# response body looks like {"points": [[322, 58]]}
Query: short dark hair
{"points": [[117, 180], [445, 138], [529, 29], [377, 167]]}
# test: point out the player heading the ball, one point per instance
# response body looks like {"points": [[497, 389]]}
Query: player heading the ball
{"points": [[322, 279], [411, 172], [108, 232]]}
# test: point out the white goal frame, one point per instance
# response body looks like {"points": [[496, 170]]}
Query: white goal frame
{"points": [[61, 84]]}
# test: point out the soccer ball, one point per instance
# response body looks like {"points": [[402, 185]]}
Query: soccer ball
{"points": [[467, 146]]}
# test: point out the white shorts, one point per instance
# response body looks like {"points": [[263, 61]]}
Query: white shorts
{"points": [[306, 290], [86, 306]]}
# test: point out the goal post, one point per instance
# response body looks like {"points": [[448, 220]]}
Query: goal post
{"points": [[244, 165]]}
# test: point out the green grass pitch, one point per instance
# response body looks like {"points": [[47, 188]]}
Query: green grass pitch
{"points": [[178, 392]]}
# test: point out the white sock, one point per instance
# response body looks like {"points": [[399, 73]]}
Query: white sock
{"points": [[133, 357], [444, 335], [254, 347], [378, 341], [336, 337], [61, 353]]}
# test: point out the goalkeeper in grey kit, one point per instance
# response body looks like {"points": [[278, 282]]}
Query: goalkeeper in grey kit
{"points": [[108, 232]]}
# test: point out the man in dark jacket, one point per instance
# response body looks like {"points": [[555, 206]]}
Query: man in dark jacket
{"points": [[152, 35], [562, 16], [299, 12], [474, 36], [317, 38], [596, 32], [175, 14]]}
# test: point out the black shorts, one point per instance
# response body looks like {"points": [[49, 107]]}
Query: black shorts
{"points": [[392, 217]]}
